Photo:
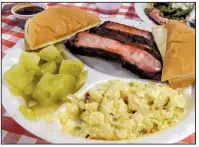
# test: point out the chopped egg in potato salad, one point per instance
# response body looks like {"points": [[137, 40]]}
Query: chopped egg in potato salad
{"points": [[118, 110]]}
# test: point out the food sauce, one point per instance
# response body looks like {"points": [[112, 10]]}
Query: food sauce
{"points": [[29, 10]]}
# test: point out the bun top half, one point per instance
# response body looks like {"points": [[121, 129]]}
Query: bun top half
{"points": [[57, 24]]}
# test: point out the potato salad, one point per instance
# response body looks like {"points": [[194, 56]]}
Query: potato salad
{"points": [[118, 110]]}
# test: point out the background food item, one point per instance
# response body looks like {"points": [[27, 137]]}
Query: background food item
{"points": [[43, 30], [179, 61], [160, 12], [183, 6], [36, 79], [117, 110], [155, 15], [160, 37]]}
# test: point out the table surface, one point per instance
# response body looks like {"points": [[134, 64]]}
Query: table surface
{"points": [[13, 133]]}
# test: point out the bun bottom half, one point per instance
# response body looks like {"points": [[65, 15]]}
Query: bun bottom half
{"points": [[182, 82]]}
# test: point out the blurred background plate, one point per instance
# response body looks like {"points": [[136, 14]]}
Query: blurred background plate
{"points": [[139, 9]]}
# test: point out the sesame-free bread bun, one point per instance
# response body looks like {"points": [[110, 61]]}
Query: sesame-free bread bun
{"points": [[57, 24], [179, 60], [182, 82]]}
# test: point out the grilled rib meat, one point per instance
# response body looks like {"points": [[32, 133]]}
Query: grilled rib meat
{"points": [[129, 39], [127, 29], [131, 57]]}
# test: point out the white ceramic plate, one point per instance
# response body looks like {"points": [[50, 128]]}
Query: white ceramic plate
{"points": [[51, 131], [139, 9]]}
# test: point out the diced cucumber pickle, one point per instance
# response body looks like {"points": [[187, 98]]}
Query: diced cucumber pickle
{"points": [[42, 92], [27, 113], [40, 110], [52, 88], [63, 118], [38, 72], [62, 85], [49, 53], [49, 67], [32, 103], [59, 59], [81, 79], [60, 47], [72, 67], [29, 61], [44, 79], [18, 77], [15, 91], [30, 87]]}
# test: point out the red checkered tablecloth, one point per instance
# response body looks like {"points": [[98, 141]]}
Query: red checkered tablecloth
{"points": [[13, 133]]}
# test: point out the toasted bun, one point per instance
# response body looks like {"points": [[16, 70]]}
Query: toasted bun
{"points": [[182, 81], [179, 61], [160, 37], [57, 24]]}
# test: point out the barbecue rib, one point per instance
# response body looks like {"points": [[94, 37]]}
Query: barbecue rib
{"points": [[127, 29], [131, 57], [129, 39]]}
